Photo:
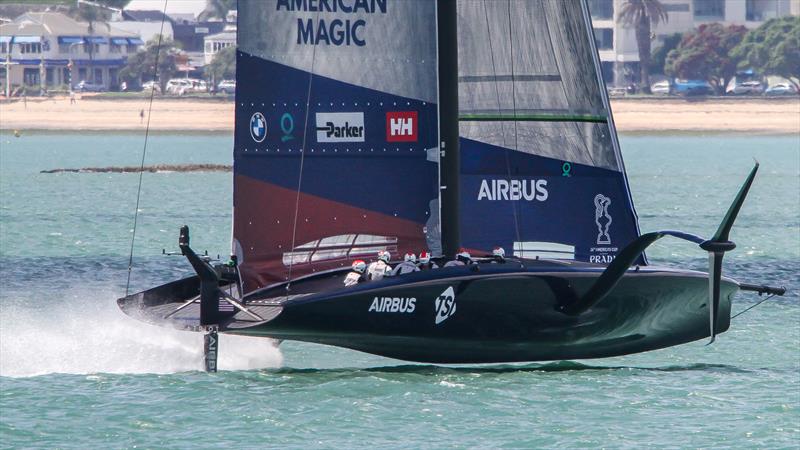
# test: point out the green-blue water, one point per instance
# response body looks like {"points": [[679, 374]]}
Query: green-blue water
{"points": [[76, 373]]}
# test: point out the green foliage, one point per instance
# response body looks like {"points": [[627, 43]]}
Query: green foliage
{"points": [[659, 58], [705, 54], [223, 66], [772, 49], [220, 8], [142, 65], [642, 15]]}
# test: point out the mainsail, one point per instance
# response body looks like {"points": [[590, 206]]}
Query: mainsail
{"points": [[336, 134], [341, 106], [541, 170]]}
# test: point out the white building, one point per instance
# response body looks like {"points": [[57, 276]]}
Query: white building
{"points": [[216, 42], [617, 44], [50, 50]]}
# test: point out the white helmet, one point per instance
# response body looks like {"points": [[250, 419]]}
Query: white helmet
{"points": [[463, 254], [410, 257], [384, 256], [499, 252], [424, 257], [359, 266]]}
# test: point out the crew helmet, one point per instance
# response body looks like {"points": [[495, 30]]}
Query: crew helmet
{"points": [[410, 257], [463, 254], [384, 256], [424, 257], [499, 252], [359, 266]]}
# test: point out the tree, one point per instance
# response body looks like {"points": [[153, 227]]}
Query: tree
{"points": [[772, 49], [642, 15], [223, 66], [659, 58], [142, 65], [94, 13], [705, 54], [218, 9]]}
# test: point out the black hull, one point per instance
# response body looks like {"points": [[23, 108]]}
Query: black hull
{"points": [[501, 313]]}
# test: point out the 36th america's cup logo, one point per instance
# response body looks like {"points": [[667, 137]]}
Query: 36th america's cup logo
{"points": [[602, 218]]}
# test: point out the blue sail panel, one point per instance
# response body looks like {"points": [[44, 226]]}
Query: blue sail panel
{"points": [[542, 207]]}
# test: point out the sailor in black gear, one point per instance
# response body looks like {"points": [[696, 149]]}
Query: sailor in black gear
{"points": [[424, 261]]}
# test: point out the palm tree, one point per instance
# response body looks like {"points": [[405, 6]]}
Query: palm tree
{"points": [[642, 15]]}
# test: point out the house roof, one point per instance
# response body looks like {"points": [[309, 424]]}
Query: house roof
{"points": [[224, 36], [145, 15], [57, 24]]}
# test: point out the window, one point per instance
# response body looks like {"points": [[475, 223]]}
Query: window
{"points": [[132, 48], [30, 76], [3, 47], [760, 10], [604, 38], [65, 76], [602, 9], [114, 48], [709, 9], [30, 48], [50, 76]]}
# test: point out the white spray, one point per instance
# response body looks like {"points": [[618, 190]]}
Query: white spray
{"points": [[85, 332]]}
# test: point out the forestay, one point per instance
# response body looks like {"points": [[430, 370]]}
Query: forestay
{"points": [[541, 170], [336, 117]]}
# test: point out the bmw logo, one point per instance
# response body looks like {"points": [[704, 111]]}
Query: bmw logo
{"points": [[258, 127]]}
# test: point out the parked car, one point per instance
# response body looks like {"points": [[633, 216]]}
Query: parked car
{"points": [[181, 86], [89, 86], [227, 87], [781, 89], [150, 85], [690, 88], [661, 88], [747, 88]]}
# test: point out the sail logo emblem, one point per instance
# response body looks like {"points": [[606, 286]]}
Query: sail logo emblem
{"points": [[340, 127], [258, 127], [401, 126], [602, 219], [445, 305]]}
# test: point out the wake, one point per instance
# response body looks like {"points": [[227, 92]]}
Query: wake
{"points": [[85, 332]]}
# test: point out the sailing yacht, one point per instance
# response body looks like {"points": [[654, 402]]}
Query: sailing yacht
{"points": [[434, 125]]}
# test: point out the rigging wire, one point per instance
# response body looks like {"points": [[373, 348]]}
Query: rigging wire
{"points": [[144, 149], [751, 307], [302, 161]]}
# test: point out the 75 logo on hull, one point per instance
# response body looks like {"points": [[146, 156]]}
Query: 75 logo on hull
{"points": [[445, 305]]}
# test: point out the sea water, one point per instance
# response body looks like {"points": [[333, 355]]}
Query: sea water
{"points": [[77, 373]]}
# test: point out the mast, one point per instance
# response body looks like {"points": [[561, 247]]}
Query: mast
{"points": [[449, 161]]}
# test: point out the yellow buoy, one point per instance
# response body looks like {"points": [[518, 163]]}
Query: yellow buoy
{"points": [[17, 133]]}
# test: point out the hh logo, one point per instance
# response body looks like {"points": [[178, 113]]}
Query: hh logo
{"points": [[401, 126], [445, 305]]}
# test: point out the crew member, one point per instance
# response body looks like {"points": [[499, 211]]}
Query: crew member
{"points": [[380, 268], [463, 258], [356, 274], [499, 255], [408, 265], [425, 262]]}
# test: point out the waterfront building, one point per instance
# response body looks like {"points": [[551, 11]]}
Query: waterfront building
{"points": [[47, 50], [616, 43]]}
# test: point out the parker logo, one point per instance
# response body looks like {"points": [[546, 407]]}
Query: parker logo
{"points": [[393, 305], [340, 127], [401, 126], [513, 190], [445, 305]]}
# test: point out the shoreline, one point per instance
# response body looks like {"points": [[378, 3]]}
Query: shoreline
{"points": [[775, 116]]}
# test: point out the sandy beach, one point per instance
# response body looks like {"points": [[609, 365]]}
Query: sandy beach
{"points": [[766, 116]]}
